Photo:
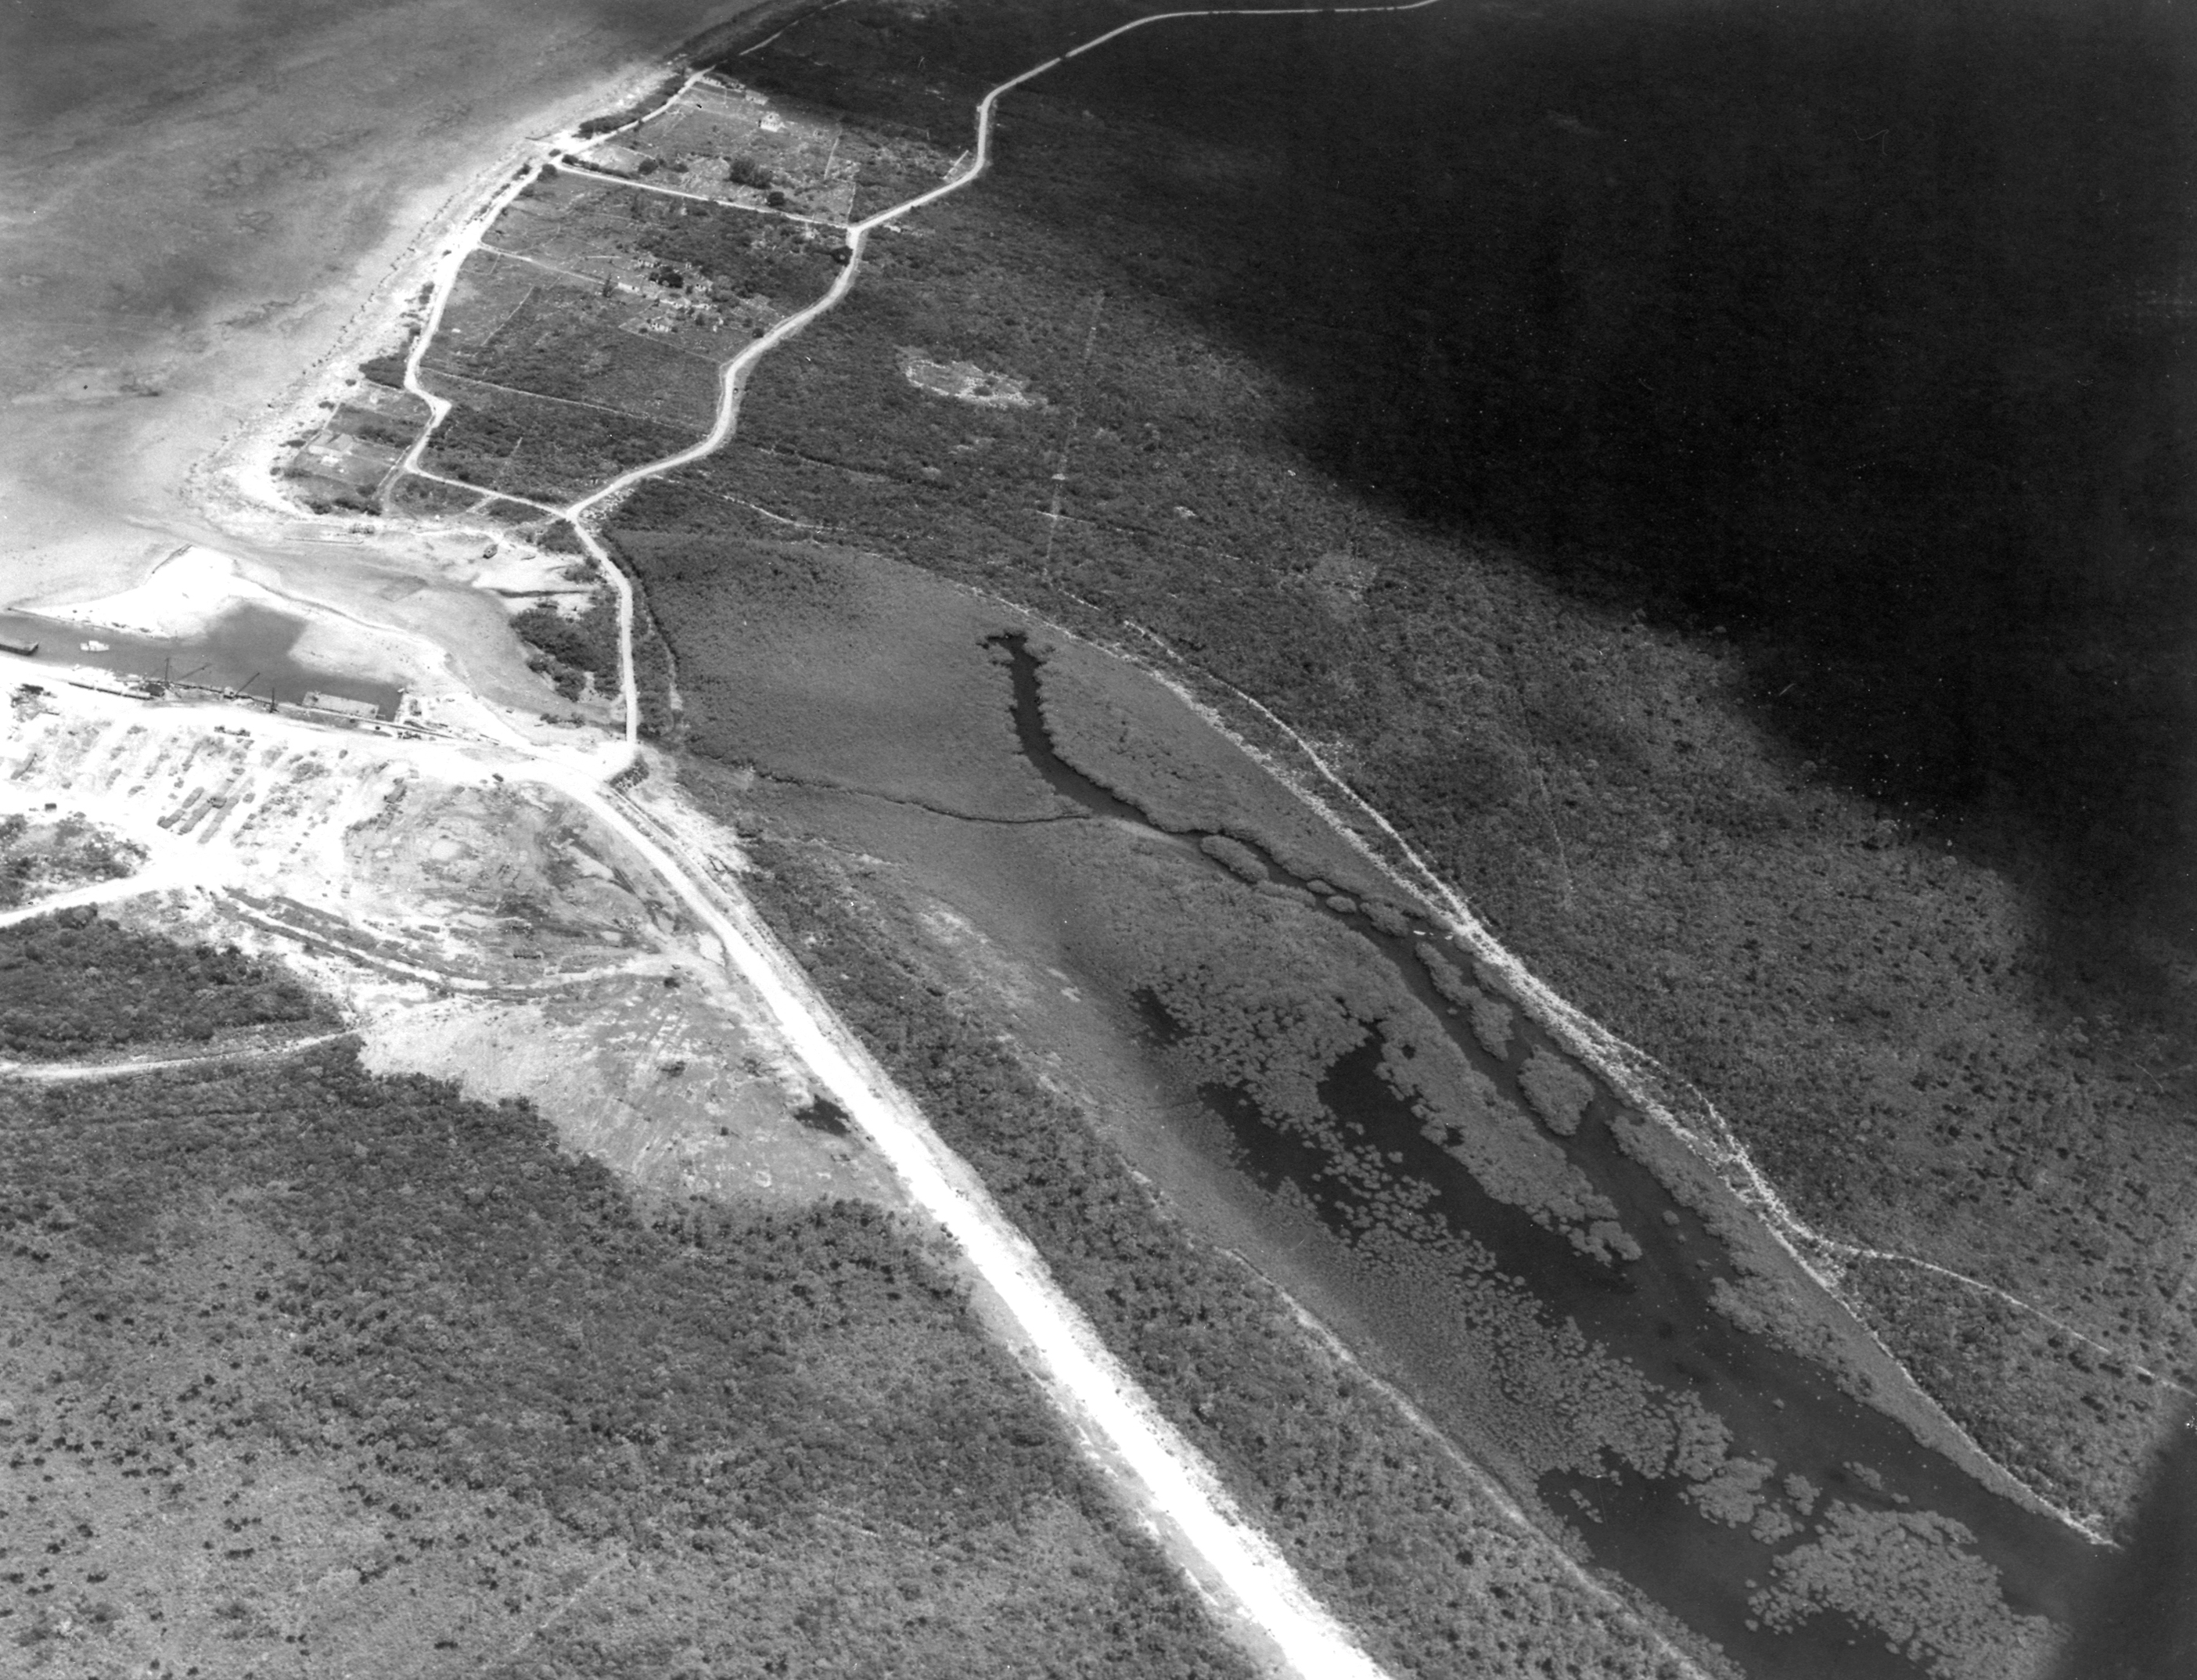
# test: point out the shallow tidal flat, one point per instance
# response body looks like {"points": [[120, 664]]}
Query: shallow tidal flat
{"points": [[1309, 1075]]}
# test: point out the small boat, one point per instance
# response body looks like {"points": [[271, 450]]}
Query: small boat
{"points": [[29, 649]]}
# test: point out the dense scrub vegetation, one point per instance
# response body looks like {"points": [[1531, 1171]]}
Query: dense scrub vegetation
{"points": [[1809, 728], [768, 1442], [550, 451], [2014, 1369], [73, 983], [568, 651], [56, 853], [744, 252], [1394, 1536]]}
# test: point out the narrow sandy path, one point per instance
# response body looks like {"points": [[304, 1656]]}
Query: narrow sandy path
{"points": [[78, 1073], [162, 877]]}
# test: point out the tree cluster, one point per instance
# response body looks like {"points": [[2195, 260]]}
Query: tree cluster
{"points": [[376, 1284], [73, 983]]}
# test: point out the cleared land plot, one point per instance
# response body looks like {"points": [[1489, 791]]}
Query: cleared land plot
{"points": [[348, 461], [565, 344], [487, 292], [391, 429], [704, 278], [368, 397], [349, 457], [739, 146], [568, 220]]}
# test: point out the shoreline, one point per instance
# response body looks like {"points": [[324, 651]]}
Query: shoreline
{"points": [[406, 599], [191, 469], [237, 477]]}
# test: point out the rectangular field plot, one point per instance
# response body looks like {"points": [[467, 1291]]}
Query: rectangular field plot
{"points": [[568, 221], [892, 164], [577, 346], [349, 460], [704, 278], [377, 426], [412, 497], [732, 143], [517, 444], [400, 407], [488, 291]]}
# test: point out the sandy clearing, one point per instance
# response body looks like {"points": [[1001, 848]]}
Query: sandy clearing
{"points": [[383, 871], [79, 1073], [182, 596]]}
